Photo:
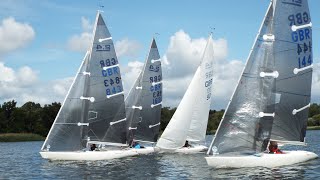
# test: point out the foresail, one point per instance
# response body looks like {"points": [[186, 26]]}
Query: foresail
{"points": [[246, 125], [105, 100], [66, 131], [175, 134], [294, 59], [200, 112], [144, 102]]}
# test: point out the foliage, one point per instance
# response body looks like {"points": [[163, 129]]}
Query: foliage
{"points": [[29, 118], [33, 118], [16, 137]]}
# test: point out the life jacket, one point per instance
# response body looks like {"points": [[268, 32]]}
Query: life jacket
{"points": [[276, 150]]}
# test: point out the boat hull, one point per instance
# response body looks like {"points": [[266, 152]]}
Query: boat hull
{"points": [[95, 155], [265, 160], [184, 150]]}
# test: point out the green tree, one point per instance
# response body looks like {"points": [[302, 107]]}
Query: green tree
{"points": [[6, 117]]}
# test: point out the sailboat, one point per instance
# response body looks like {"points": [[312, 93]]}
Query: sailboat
{"points": [[189, 122], [93, 112], [271, 100], [143, 103]]}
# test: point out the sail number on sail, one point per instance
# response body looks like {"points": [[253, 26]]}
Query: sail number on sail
{"points": [[112, 84], [209, 75], [301, 36], [156, 84], [156, 89]]}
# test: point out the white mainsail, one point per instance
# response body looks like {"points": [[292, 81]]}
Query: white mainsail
{"points": [[189, 122]]}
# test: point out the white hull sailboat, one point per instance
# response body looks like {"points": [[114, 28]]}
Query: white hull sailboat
{"points": [[270, 103], [189, 122], [91, 123], [96, 155], [261, 160], [144, 102]]}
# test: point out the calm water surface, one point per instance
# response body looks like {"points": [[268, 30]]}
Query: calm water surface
{"points": [[22, 161]]}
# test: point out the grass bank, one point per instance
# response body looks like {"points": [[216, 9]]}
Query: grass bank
{"points": [[313, 128], [17, 137]]}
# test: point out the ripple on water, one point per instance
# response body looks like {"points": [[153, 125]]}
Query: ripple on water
{"points": [[22, 161]]}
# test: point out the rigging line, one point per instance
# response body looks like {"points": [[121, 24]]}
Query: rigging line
{"points": [[94, 135], [287, 132], [286, 92], [290, 77], [242, 129], [276, 52], [288, 124]]}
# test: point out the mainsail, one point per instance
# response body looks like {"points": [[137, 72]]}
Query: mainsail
{"points": [[293, 57], [106, 115], [189, 122], [268, 91], [143, 103], [93, 109]]}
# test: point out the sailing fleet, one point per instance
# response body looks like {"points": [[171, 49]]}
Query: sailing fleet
{"points": [[270, 101]]}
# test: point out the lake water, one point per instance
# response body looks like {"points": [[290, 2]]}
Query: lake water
{"points": [[21, 160]]}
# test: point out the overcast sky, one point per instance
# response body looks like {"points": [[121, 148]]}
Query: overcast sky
{"points": [[42, 43]]}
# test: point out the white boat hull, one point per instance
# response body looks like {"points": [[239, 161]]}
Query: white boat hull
{"points": [[95, 155], [265, 160], [184, 150]]}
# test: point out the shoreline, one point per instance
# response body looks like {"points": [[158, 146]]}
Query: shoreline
{"points": [[20, 137]]}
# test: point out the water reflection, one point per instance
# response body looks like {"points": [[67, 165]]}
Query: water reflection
{"points": [[23, 161]]}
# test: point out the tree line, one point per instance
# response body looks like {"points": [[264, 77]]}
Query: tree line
{"points": [[33, 118]]}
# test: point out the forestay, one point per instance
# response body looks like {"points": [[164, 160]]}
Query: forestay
{"points": [[144, 101], [189, 122]]}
